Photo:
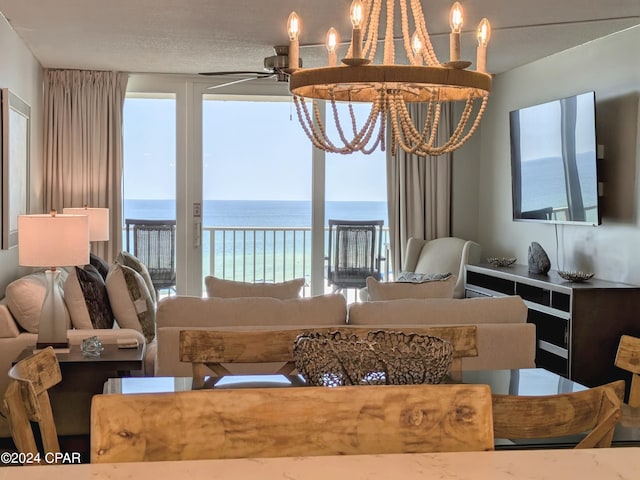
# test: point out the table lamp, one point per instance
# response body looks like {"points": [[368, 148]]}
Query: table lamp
{"points": [[98, 221], [52, 240]]}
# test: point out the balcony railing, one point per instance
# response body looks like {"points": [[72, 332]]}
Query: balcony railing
{"points": [[265, 254]]}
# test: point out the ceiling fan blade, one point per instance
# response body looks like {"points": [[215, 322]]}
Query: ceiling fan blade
{"points": [[237, 72], [226, 84]]}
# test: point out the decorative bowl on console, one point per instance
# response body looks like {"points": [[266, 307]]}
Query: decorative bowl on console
{"points": [[501, 261], [576, 276]]}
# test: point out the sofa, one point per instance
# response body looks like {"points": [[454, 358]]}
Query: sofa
{"points": [[505, 340], [108, 301]]}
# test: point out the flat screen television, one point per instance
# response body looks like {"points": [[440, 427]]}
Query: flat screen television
{"points": [[554, 172]]}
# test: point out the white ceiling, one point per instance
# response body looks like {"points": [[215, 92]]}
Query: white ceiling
{"points": [[191, 36]]}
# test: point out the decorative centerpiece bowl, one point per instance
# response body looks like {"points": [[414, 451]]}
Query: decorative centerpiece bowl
{"points": [[91, 347], [382, 358], [501, 261], [576, 276]]}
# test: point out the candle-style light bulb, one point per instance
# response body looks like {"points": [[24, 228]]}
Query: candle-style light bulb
{"points": [[484, 34], [455, 22], [357, 17], [293, 28], [332, 43], [416, 47]]}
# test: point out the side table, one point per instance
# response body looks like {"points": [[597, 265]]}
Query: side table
{"points": [[82, 378]]}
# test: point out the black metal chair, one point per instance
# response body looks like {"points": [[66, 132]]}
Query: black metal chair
{"points": [[355, 248], [154, 244]]}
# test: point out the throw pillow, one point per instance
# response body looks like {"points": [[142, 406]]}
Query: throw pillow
{"points": [[100, 264], [413, 277], [25, 297], [379, 291], [131, 261], [131, 300], [219, 288], [85, 294]]}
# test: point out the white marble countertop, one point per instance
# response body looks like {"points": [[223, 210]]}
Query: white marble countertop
{"points": [[600, 464]]}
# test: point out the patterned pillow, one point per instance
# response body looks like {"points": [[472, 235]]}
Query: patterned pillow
{"points": [[131, 300], [379, 291], [100, 264], [219, 288], [85, 294], [128, 260], [412, 277]]}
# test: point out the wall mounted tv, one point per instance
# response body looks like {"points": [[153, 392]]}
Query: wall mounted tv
{"points": [[553, 162]]}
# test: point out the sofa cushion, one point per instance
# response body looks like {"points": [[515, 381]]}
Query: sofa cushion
{"points": [[436, 288], [8, 326], [25, 297], [85, 294], [131, 301], [131, 261], [219, 288], [439, 311], [241, 312]]}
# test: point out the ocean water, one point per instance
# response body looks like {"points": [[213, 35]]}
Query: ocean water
{"points": [[250, 213], [543, 184], [271, 255]]}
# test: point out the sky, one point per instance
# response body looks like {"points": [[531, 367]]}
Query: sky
{"points": [[541, 124], [251, 151]]}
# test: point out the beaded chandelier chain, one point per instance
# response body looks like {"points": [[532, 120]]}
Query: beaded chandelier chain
{"points": [[389, 87]]}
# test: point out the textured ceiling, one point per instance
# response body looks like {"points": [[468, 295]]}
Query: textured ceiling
{"points": [[191, 36]]}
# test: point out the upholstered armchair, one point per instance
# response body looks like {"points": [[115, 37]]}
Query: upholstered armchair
{"points": [[441, 255]]}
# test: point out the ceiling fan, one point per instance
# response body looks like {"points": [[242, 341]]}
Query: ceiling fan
{"points": [[275, 66]]}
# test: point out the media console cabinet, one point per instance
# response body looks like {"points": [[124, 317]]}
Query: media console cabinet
{"points": [[578, 325]]}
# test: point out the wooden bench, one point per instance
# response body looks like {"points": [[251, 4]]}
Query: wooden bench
{"points": [[293, 421], [208, 349]]}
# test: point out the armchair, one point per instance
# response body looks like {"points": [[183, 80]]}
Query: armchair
{"points": [[441, 255]]}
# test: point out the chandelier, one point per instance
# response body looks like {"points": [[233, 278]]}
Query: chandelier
{"points": [[389, 87]]}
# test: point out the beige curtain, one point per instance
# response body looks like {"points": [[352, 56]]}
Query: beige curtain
{"points": [[418, 192], [83, 145]]}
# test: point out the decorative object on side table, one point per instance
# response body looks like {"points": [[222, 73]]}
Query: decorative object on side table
{"points": [[91, 347], [576, 276], [538, 259], [382, 358], [501, 261]]}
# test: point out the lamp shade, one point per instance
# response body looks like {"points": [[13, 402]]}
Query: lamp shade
{"points": [[51, 240], [98, 221]]}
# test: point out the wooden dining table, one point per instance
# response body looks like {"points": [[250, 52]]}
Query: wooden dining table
{"points": [[601, 464]]}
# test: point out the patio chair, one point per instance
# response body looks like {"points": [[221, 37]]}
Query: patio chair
{"points": [[27, 400], [154, 244], [355, 248]]}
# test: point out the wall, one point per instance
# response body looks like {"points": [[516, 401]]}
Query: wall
{"points": [[608, 66], [22, 74]]}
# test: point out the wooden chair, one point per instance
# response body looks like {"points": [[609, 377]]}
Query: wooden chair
{"points": [[628, 358], [595, 410], [289, 422], [26, 399], [207, 350]]}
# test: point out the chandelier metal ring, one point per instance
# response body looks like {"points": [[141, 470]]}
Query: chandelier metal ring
{"points": [[363, 84]]}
